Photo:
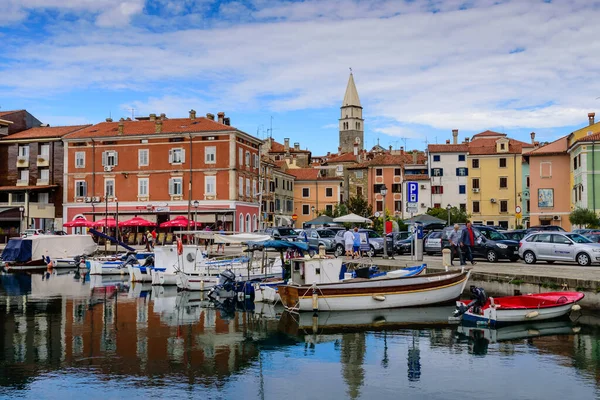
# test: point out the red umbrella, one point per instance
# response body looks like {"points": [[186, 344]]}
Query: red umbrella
{"points": [[137, 221], [177, 222], [110, 222], [78, 223]]}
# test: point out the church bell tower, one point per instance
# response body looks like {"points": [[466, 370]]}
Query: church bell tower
{"points": [[351, 121]]}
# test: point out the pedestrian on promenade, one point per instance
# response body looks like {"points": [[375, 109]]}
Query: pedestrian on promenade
{"points": [[454, 239], [356, 243], [348, 242], [467, 240], [221, 246], [149, 245], [154, 235]]}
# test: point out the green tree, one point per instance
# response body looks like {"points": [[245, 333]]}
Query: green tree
{"points": [[457, 216], [360, 206], [584, 217], [338, 211]]}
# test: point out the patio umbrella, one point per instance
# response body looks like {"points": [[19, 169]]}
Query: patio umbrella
{"points": [[110, 222], [352, 218], [178, 222], [137, 221], [78, 222]]}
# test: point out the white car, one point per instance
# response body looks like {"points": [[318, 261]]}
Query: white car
{"points": [[559, 246]]}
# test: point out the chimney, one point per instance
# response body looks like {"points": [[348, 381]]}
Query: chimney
{"points": [[355, 149], [193, 114], [454, 136], [163, 116], [447, 141], [109, 120], [390, 148], [591, 118], [152, 117], [296, 146], [466, 140], [532, 134], [226, 121], [121, 126], [208, 115], [286, 144], [415, 156], [402, 150], [221, 117], [329, 153], [158, 126]]}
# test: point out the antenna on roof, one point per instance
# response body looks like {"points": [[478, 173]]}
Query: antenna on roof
{"points": [[270, 130], [132, 110]]}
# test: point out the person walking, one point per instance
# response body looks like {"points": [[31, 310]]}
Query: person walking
{"points": [[467, 241], [221, 246], [356, 244], [149, 245], [154, 237], [348, 242], [454, 239]]}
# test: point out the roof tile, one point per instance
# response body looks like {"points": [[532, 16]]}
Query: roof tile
{"points": [[310, 174], [42, 132], [448, 148]]}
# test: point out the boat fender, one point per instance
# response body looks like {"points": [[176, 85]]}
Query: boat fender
{"points": [[576, 307], [315, 298], [379, 297], [532, 314]]}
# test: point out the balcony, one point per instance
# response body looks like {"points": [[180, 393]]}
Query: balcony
{"points": [[42, 182], [22, 162], [43, 161], [23, 182]]}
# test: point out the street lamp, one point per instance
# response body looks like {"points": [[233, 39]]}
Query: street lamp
{"points": [[21, 210], [448, 208], [383, 192]]}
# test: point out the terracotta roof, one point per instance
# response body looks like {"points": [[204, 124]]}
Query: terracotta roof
{"points": [[591, 138], [309, 174], [346, 157], [131, 128], [3, 113], [559, 146], [488, 133], [45, 132], [281, 163], [420, 177], [488, 146], [277, 147], [448, 148], [391, 159]]}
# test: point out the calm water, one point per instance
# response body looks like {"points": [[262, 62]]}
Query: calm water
{"points": [[67, 336]]}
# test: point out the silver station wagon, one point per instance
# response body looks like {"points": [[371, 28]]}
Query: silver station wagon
{"points": [[555, 246]]}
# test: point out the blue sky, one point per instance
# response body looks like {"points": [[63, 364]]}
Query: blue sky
{"points": [[422, 67]]}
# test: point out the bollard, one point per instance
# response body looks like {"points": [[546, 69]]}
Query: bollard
{"points": [[321, 251], [446, 257]]}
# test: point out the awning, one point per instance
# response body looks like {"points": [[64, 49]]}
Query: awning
{"points": [[10, 214]]}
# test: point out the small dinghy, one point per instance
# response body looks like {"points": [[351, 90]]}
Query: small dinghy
{"points": [[512, 309]]}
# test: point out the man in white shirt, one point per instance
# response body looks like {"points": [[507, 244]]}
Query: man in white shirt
{"points": [[348, 242]]}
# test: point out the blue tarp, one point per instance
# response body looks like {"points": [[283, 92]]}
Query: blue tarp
{"points": [[281, 245], [17, 250]]}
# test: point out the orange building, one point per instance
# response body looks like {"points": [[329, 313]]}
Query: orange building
{"points": [[549, 169], [157, 168], [314, 192]]}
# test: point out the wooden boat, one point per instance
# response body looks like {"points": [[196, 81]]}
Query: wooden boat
{"points": [[378, 293], [511, 309]]}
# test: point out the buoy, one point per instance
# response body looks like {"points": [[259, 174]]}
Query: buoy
{"points": [[378, 297], [576, 307], [315, 298], [532, 314]]}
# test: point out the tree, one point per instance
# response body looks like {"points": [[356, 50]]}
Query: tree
{"points": [[360, 206], [584, 217], [338, 211], [456, 215]]}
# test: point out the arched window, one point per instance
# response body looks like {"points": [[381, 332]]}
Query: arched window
{"points": [[248, 226], [241, 227], [254, 222]]}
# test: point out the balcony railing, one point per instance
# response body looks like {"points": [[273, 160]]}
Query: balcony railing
{"points": [[43, 161], [22, 162]]}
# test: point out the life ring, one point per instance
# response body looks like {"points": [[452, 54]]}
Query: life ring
{"points": [[179, 246]]}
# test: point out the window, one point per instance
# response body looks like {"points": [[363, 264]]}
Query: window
{"points": [[527, 206], [241, 187], [210, 154], [247, 187], [502, 163], [248, 223], [328, 192], [80, 159], [110, 158], [305, 209], [397, 171], [560, 239], [305, 192], [176, 186], [24, 175], [254, 190], [359, 191], [397, 205], [247, 159], [277, 205], [379, 205], [358, 174], [502, 146], [462, 189], [241, 227], [437, 205], [527, 181], [437, 172], [109, 187], [45, 174], [210, 185], [256, 161], [377, 187], [177, 156], [329, 208], [475, 183], [475, 163], [143, 157], [462, 207], [461, 157], [43, 198], [290, 205], [240, 156], [575, 163], [545, 169], [396, 188], [475, 206], [462, 171], [45, 150], [276, 182], [503, 206], [80, 189], [489, 223], [379, 171], [437, 189], [143, 187], [24, 151], [503, 182], [436, 158]]}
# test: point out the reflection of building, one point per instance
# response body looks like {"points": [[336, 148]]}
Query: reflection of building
{"points": [[352, 357]]}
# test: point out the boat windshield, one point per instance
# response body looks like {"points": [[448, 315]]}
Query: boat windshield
{"points": [[287, 232], [578, 238], [326, 233]]}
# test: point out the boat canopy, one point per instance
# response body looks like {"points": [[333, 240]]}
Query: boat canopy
{"points": [[17, 250], [53, 246], [282, 245]]}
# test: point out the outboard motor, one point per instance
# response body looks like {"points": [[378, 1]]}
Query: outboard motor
{"points": [[226, 286], [131, 259], [478, 300], [148, 262]]}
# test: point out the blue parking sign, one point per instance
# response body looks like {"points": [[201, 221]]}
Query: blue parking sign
{"points": [[413, 192]]}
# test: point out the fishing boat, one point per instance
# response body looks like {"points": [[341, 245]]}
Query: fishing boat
{"points": [[41, 251], [511, 309], [377, 293]]}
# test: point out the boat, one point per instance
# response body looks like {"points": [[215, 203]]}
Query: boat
{"points": [[519, 331], [116, 264], [377, 293], [41, 251], [512, 309]]}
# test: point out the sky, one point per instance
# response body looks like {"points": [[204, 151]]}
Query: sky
{"points": [[280, 67]]}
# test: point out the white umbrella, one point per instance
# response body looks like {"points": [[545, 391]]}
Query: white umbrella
{"points": [[353, 218]]}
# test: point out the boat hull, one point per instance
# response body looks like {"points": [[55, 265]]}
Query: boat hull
{"points": [[106, 267], [139, 274]]}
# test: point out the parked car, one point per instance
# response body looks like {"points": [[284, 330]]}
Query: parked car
{"points": [[558, 246], [322, 236], [282, 233], [392, 238], [586, 232], [432, 243], [594, 237], [517, 234], [545, 228], [489, 244], [32, 232], [375, 242]]}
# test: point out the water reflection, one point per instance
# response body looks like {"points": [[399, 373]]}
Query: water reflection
{"points": [[139, 337]]}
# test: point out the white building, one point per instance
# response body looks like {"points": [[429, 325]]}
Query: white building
{"points": [[448, 173]]}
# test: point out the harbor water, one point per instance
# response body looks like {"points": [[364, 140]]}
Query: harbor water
{"points": [[68, 335]]}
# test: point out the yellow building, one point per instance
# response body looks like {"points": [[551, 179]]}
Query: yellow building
{"points": [[314, 192], [494, 188]]}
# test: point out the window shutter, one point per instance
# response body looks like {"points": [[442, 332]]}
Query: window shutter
{"points": [[171, 189], [104, 159], [84, 184], [116, 157], [182, 156], [171, 156]]}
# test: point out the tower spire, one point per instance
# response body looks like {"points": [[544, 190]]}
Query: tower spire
{"points": [[351, 96]]}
